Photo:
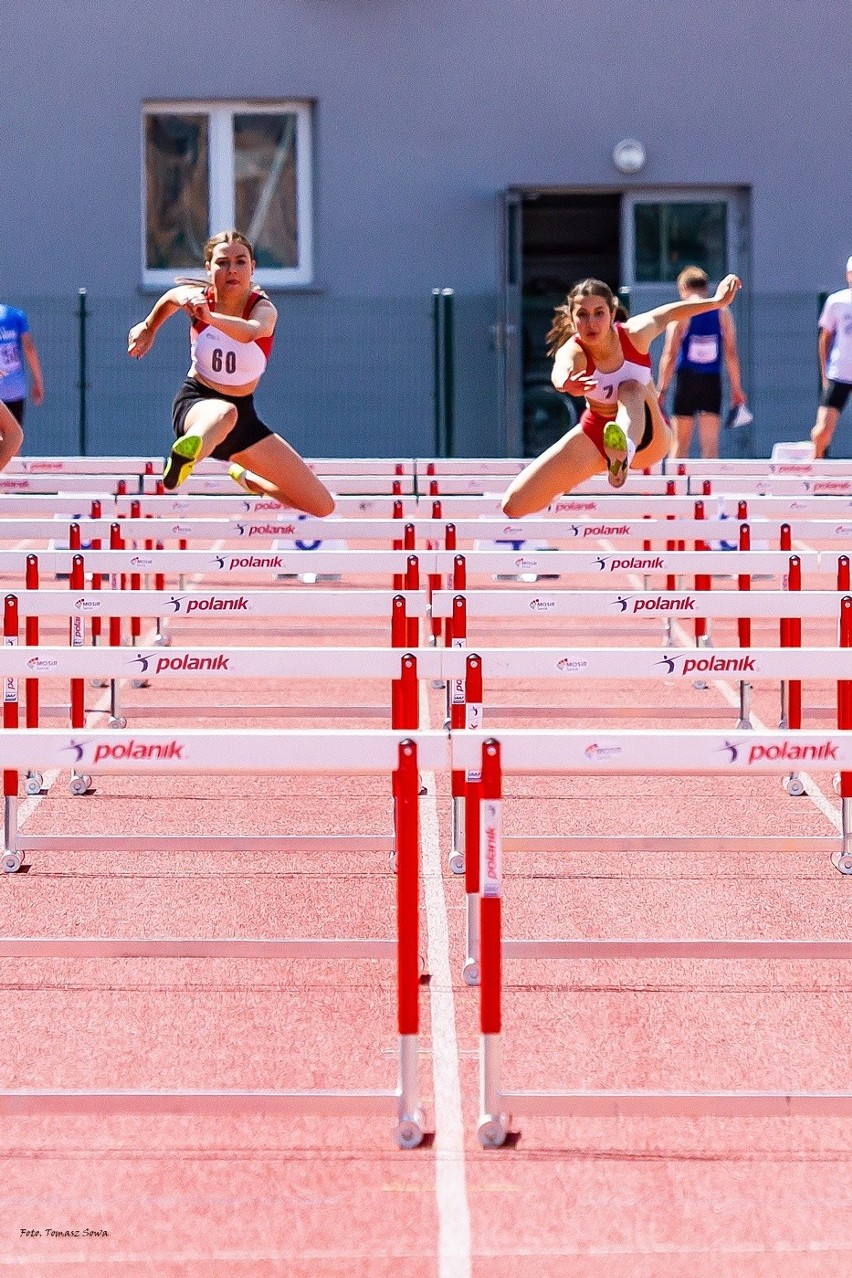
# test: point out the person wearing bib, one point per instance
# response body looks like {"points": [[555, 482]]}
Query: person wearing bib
{"points": [[693, 353], [606, 359], [835, 363], [232, 327]]}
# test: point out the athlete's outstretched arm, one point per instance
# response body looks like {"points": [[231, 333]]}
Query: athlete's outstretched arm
{"points": [[644, 328]]}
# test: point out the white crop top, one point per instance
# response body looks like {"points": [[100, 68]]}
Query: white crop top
{"points": [[222, 360], [635, 368]]}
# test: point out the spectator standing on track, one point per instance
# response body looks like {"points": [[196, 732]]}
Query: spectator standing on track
{"points": [[835, 363], [232, 325], [608, 362], [17, 354], [693, 353]]}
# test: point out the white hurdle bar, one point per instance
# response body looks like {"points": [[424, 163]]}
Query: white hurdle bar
{"points": [[163, 753], [620, 754], [465, 672]]}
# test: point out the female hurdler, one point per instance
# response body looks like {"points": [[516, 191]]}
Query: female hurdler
{"points": [[232, 325], [606, 361]]}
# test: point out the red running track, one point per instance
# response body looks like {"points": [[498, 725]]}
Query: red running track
{"points": [[645, 1198]]}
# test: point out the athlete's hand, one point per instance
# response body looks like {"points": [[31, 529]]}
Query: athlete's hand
{"points": [[197, 308], [139, 340], [579, 384], [727, 290]]}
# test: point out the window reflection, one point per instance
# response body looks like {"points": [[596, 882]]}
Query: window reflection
{"points": [[669, 237], [265, 186], [176, 190]]}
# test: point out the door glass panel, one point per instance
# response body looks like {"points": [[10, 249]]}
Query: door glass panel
{"points": [[265, 186], [670, 236], [176, 190]]}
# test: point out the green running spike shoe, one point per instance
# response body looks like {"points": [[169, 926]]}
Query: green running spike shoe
{"points": [[615, 449], [181, 460]]}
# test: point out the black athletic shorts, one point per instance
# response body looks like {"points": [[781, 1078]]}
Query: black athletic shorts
{"points": [[697, 393], [16, 408], [248, 430], [835, 395]]}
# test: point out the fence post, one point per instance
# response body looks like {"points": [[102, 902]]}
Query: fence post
{"points": [[443, 371], [82, 316]]}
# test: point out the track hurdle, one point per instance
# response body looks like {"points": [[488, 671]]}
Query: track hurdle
{"points": [[310, 752], [466, 670], [626, 753], [400, 609]]}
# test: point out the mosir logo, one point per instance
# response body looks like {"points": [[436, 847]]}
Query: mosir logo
{"points": [[180, 529], [682, 664], [601, 752], [844, 530], [541, 605], [633, 563], [569, 665], [654, 603], [521, 562], [266, 530], [249, 561], [786, 752], [42, 664], [185, 662], [213, 603], [141, 561], [88, 605]]}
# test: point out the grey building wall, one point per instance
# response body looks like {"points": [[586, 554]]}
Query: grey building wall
{"points": [[425, 112]]}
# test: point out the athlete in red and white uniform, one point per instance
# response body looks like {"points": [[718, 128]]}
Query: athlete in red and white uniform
{"points": [[635, 367], [609, 364], [216, 357], [232, 325]]}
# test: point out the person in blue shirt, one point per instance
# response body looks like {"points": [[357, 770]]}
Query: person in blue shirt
{"points": [[693, 354], [17, 348]]}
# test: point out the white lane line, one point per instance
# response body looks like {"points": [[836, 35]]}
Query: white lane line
{"points": [[812, 790], [454, 1245], [101, 706]]}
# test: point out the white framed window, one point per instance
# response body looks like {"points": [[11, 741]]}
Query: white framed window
{"points": [[665, 230], [210, 166]]}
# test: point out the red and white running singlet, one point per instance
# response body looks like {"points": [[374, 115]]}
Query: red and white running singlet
{"points": [[219, 359], [635, 368]]}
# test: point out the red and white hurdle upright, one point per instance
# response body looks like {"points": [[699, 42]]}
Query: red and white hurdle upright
{"points": [[627, 753]]}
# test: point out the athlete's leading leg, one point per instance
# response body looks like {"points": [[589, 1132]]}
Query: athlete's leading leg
{"points": [[206, 425], [660, 443], [826, 423], [271, 468], [623, 436], [567, 463]]}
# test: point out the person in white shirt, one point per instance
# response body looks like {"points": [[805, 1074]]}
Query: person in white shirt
{"points": [[835, 363], [232, 326]]}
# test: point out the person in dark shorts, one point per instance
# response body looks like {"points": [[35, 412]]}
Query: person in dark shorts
{"points": [[835, 363], [232, 326], [693, 354]]}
